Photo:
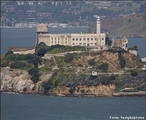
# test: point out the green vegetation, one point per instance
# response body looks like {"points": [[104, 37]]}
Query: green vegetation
{"points": [[35, 74], [42, 48], [20, 61], [103, 67], [133, 48], [51, 83], [122, 60], [134, 73], [20, 65], [69, 57], [91, 62]]}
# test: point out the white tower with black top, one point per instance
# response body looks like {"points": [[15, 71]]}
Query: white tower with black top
{"points": [[98, 29]]}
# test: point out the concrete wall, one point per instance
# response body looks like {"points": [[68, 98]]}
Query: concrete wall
{"points": [[25, 52], [134, 52]]}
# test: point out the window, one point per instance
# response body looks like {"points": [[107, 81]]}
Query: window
{"points": [[58, 42], [80, 38], [95, 38], [76, 38], [91, 38], [80, 43], [73, 44], [52, 38], [73, 39], [102, 38], [87, 38], [84, 38]]}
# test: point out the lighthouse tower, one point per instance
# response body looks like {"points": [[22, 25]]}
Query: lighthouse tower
{"points": [[98, 30]]}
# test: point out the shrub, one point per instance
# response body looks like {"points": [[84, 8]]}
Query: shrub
{"points": [[134, 73], [18, 64], [35, 74], [122, 61], [103, 67], [8, 53], [46, 85], [72, 89], [35, 78], [33, 71], [68, 57], [91, 62], [80, 65]]}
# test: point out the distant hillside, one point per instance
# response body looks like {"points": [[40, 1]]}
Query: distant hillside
{"points": [[133, 25]]}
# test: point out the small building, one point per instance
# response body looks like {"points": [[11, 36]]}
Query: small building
{"points": [[134, 52], [94, 73], [120, 42]]}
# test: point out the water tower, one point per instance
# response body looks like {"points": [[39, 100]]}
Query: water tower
{"points": [[41, 29]]}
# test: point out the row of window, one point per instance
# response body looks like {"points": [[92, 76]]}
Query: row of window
{"points": [[83, 44], [57, 38], [57, 42], [83, 39], [77, 38]]}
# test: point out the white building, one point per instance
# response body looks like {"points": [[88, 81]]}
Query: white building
{"points": [[82, 39]]}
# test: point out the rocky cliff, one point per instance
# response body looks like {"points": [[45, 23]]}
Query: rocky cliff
{"points": [[84, 90], [16, 81], [19, 81], [129, 26]]}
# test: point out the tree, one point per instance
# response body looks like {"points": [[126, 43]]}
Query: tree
{"points": [[103, 67], [8, 53], [35, 74], [122, 61], [108, 41], [68, 57], [91, 62]]}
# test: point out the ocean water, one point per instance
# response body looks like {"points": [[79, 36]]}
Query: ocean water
{"points": [[35, 107], [11, 37]]}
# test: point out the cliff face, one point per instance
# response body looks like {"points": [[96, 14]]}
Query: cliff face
{"points": [[99, 90], [19, 81], [128, 26], [16, 81]]}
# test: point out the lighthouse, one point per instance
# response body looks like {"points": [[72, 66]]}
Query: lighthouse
{"points": [[98, 30]]}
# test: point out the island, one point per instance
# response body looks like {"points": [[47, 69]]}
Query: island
{"points": [[74, 65]]}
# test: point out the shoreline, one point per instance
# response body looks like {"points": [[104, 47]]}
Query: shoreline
{"points": [[119, 94]]}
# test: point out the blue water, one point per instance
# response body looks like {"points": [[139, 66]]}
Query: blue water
{"points": [[35, 107], [27, 37]]}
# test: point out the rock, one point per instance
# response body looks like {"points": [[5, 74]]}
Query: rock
{"points": [[16, 81]]}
